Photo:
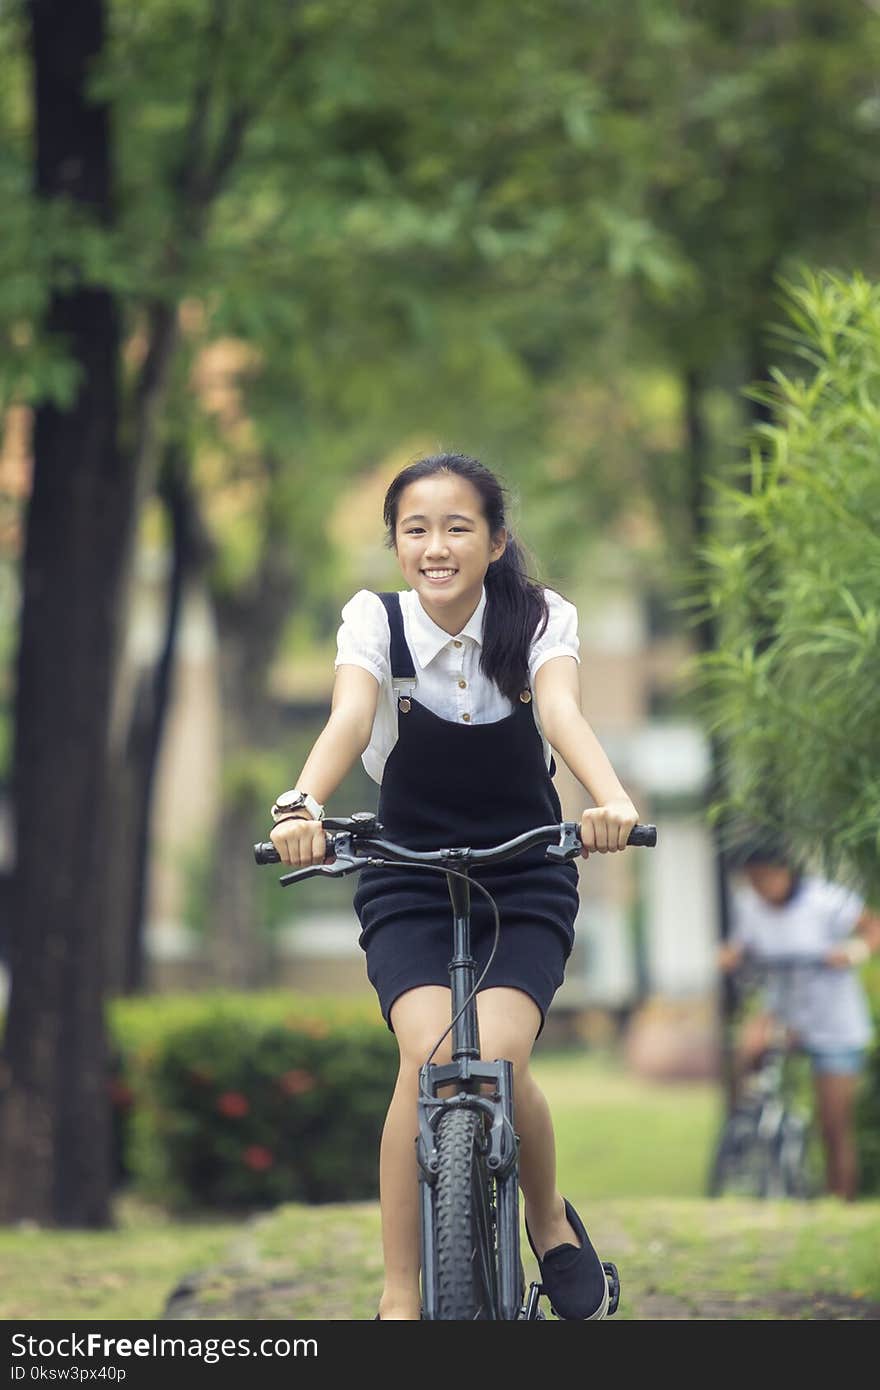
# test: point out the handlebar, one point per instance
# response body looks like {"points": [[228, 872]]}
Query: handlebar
{"points": [[752, 962], [355, 841]]}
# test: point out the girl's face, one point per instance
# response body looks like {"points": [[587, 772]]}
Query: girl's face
{"points": [[773, 882], [443, 546]]}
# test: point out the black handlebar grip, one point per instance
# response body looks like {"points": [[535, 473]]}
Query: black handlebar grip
{"points": [[266, 853], [643, 835]]}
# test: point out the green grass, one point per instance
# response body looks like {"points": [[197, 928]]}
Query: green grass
{"points": [[122, 1273], [632, 1156], [619, 1136]]}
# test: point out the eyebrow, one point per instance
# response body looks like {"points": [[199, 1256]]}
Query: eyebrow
{"points": [[451, 516]]}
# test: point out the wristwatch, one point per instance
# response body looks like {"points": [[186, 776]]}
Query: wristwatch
{"points": [[292, 800]]}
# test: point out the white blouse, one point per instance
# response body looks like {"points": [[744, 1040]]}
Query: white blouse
{"points": [[826, 1008], [449, 681]]}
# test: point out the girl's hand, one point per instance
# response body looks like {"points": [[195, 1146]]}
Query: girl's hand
{"points": [[730, 956], [300, 841], [849, 954], [606, 828]]}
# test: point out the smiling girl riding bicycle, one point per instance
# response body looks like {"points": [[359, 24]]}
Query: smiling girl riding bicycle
{"points": [[462, 753]]}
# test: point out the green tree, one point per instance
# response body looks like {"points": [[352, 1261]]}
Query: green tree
{"points": [[108, 268], [794, 583]]}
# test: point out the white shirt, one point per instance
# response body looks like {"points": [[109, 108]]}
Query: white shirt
{"points": [[827, 1008], [448, 679]]}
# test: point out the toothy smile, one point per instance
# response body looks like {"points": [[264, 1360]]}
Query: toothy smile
{"points": [[439, 574]]}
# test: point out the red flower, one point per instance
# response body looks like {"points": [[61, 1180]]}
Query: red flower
{"points": [[258, 1158], [233, 1104], [297, 1082]]}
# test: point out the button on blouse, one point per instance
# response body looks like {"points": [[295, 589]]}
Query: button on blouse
{"points": [[449, 680]]}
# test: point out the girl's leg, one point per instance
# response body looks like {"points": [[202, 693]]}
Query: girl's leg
{"points": [[835, 1099], [509, 1023], [418, 1018]]}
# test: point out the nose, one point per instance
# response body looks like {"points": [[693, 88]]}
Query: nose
{"points": [[436, 547]]}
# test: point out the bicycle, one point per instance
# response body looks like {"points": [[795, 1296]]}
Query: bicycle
{"points": [[467, 1146], [763, 1149]]}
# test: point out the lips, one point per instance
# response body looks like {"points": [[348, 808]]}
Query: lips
{"points": [[439, 576]]}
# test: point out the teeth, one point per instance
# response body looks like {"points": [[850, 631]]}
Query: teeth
{"points": [[438, 574]]}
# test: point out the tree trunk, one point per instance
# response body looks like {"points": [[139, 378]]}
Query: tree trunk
{"points": [[55, 1151], [250, 624], [135, 779], [698, 456]]}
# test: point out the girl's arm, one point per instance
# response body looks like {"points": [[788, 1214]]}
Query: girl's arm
{"points": [[300, 840], [557, 690]]}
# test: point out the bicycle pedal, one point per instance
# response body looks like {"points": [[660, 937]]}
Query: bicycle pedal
{"points": [[613, 1278], [531, 1310]]}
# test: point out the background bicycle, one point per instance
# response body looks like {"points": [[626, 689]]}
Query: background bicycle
{"points": [[768, 1147]]}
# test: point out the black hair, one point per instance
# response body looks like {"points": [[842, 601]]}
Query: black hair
{"points": [[516, 606], [769, 851], [760, 847]]}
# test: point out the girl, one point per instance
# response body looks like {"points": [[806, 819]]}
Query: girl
{"points": [[466, 762], [779, 911]]}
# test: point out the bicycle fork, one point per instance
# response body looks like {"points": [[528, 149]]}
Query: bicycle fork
{"points": [[469, 1073]]}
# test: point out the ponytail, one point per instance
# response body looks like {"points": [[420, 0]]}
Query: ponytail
{"points": [[516, 606], [516, 613]]}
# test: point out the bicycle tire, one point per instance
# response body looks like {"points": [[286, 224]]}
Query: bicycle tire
{"points": [[794, 1142], [744, 1160], [464, 1225], [730, 1162]]}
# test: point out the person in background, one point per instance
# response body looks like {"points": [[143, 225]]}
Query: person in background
{"points": [[779, 911]]}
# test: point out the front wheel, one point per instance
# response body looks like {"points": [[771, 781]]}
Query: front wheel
{"points": [[793, 1157], [740, 1162], [464, 1221]]}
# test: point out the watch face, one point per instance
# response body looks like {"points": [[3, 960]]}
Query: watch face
{"points": [[287, 800]]}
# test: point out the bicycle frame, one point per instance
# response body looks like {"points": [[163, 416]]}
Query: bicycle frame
{"points": [[468, 1073]]}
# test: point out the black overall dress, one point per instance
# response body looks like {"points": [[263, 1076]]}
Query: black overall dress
{"points": [[447, 784]]}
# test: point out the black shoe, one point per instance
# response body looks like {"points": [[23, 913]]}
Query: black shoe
{"points": [[573, 1276]]}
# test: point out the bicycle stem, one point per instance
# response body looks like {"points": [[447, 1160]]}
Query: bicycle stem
{"points": [[462, 971]]}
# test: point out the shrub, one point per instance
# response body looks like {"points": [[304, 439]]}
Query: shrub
{"points": [[249, 1100]]}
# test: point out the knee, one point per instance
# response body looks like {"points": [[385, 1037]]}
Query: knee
{"points": [[495, 1044], [416, 1048]]}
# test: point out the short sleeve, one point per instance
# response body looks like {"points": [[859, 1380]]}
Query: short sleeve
{"points": [[842, 908], [364, 638], [560, 636]]}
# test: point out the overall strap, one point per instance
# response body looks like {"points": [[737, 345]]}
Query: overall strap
{"points": [[403, 671]]}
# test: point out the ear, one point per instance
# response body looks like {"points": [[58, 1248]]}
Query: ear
{"points": [[498, 544]]}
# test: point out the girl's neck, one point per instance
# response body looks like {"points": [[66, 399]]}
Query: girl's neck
{"points": [[454, 617]]}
